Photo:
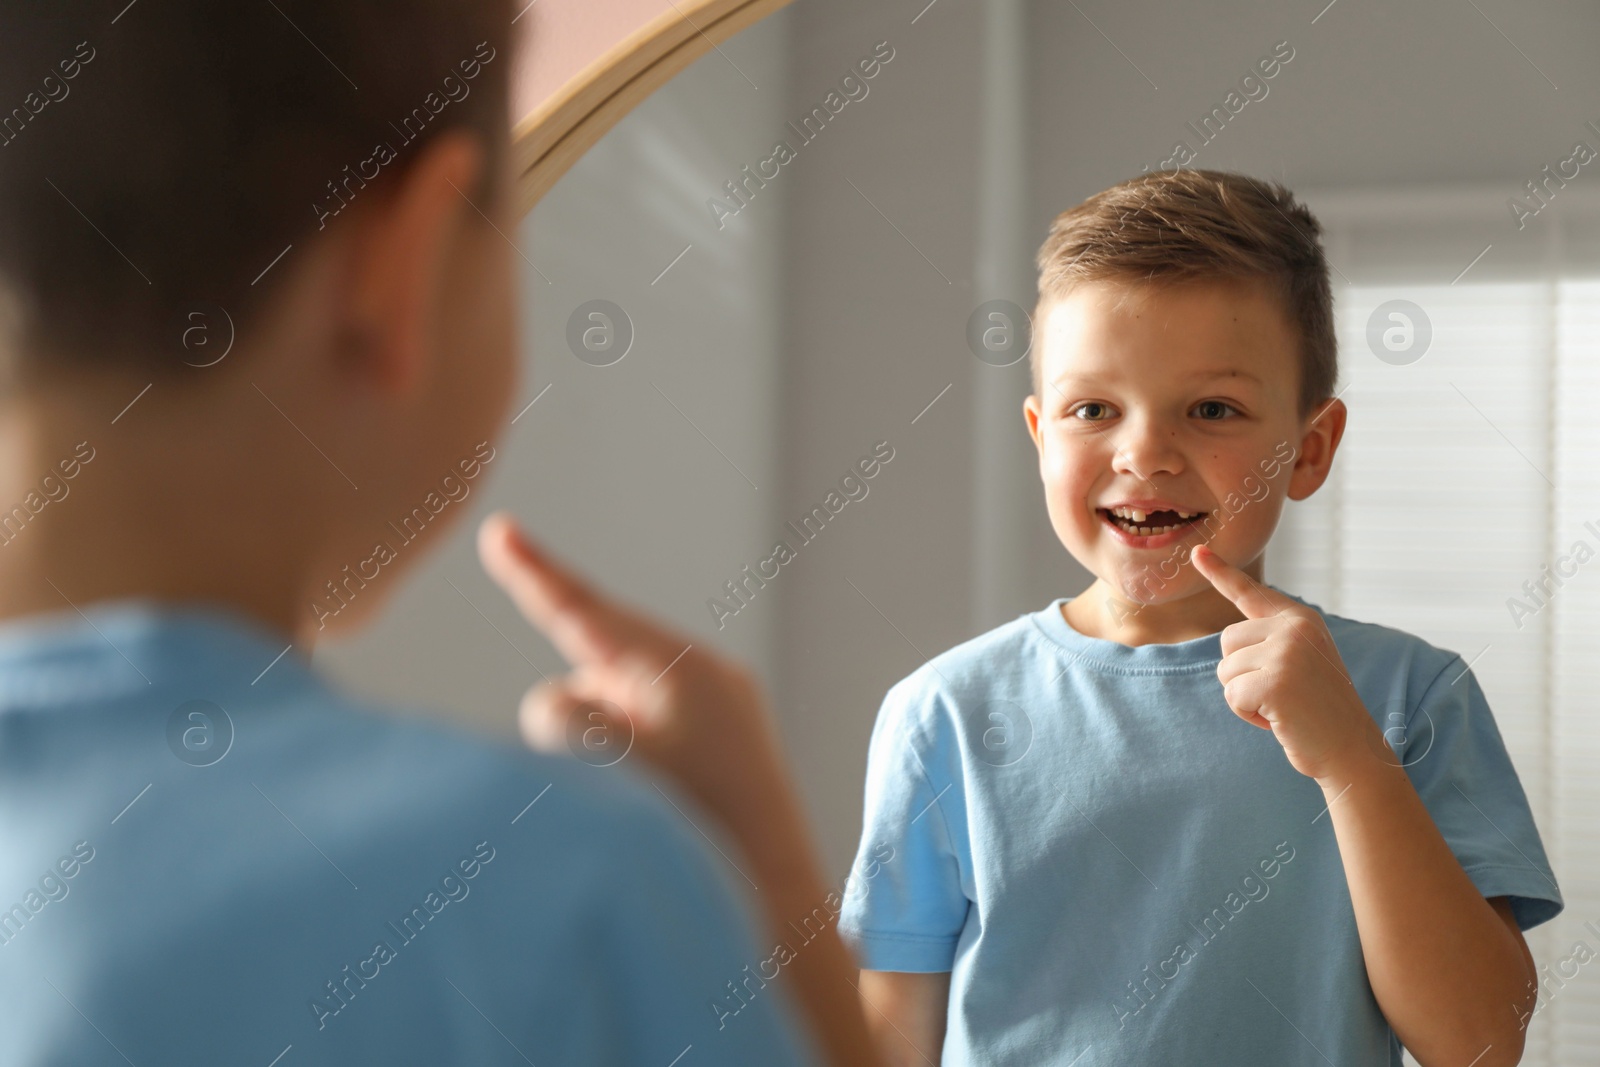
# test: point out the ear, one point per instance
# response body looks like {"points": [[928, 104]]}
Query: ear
{"points": [[1030, 415], [1319, 441], [400, 249]]}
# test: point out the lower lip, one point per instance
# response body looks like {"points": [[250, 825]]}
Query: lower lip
{"points": [[1161, 540]]}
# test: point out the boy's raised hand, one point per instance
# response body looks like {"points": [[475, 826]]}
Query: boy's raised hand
{"points": [[1281, 671], [699, 720], [638, 690]]}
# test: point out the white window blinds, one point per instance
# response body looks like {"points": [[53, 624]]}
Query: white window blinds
{"points": [[1464, 506]]}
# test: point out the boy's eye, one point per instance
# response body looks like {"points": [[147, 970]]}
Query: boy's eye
{"points": [[1092, 411], [1214, 410]]}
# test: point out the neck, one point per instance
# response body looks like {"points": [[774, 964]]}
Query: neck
{"points": [[170, 502], [1100, 612]]}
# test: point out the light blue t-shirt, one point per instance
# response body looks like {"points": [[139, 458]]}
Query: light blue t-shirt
{"points": [[210, 855], [1117, 869]]}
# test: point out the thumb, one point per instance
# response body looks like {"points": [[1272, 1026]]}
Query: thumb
{"points": [[557, 719]]}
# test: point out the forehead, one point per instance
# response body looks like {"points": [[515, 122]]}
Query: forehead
{"points": [[1169, 332]]}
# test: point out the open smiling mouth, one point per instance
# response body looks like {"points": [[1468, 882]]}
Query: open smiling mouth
{"points": [[1138, 523]]}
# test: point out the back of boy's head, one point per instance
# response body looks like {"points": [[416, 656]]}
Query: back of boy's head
{"points": [[163, 156], [1168, 227]]}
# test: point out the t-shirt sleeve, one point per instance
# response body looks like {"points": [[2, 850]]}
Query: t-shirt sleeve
{"points": [[1459, 765], [904, 904], [683, 957]]}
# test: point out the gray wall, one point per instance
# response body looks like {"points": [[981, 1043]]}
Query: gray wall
{"points": [[874, 326]]}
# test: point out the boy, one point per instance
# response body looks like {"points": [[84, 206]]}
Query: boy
{"points": [[258, 327], [1095, 863]]}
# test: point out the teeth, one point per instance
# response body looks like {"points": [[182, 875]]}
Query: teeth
{"points": [[1139, 515]]}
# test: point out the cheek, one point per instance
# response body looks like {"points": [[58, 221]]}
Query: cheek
{"points": [[506, 343], [499, 343], [1070, 471], [1250, 503], [1234, 472]]}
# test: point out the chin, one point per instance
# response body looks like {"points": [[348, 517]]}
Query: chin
{"points": [[1150, 585]]}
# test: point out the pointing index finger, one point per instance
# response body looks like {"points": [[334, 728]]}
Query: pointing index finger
{"points": [[1247, 594], [584, 627]]}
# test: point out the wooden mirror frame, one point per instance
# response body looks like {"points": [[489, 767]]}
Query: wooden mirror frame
{"points": [[576, 78]]}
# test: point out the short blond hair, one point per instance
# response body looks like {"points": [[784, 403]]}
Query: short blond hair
{"points": [[1188, 225]]}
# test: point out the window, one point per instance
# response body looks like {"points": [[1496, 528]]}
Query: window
{"points": [[1464, 505]]}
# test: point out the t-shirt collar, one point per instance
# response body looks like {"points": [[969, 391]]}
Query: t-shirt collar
{"points": [[121, 646], [1200, 653]]}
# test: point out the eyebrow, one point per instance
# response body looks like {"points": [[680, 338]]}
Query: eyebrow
{"points": [[1204, 375]]}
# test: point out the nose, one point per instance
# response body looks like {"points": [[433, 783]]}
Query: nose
{"points": [[1145, 447]]}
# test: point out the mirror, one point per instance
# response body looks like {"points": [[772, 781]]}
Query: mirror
{"points": [[751, 265], [582, 67]]}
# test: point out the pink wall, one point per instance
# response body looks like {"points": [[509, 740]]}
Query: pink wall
{"points": [[561, 37]]}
